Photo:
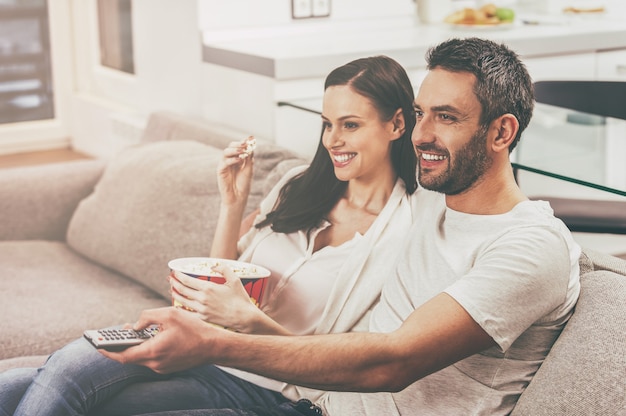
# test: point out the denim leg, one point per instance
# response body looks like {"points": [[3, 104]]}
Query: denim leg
{"points": [[13, 385], [283, 409], [75, 379], [203, 387], [210, 412]]}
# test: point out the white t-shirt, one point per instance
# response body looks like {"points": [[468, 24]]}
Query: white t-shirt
{"points": [[516, 274]]}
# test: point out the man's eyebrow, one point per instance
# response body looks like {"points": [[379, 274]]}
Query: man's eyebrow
{"points": [[445, 108]]}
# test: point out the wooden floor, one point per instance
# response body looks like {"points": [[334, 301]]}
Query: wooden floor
{"points": [[40, 157]]}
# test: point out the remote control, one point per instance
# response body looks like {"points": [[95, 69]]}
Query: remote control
{"points": [[117, 339]]}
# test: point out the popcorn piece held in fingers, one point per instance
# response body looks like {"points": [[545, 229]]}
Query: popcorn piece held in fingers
{"points": [[249, 149]]}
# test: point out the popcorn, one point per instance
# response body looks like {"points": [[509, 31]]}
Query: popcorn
{"points": [[205, 268], [249, 149]]}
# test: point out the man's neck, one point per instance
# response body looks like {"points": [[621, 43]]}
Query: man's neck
{"points": [[494, 194]]}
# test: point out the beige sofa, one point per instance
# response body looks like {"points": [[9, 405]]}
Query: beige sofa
{"points": [[86, 244]]}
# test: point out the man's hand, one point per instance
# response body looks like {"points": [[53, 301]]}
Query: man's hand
{"points": [[179, 345]]}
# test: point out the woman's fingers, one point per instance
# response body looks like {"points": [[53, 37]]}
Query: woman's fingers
{"points": [[227, 272], [241, 150]]}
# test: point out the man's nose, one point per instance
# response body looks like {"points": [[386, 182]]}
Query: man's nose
{"points": [[424, 131]]}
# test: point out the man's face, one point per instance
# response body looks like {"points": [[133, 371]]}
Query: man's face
{"points": [[449, 141]]}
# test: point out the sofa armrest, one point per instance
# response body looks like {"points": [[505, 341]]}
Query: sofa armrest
{"points": [[38, 201], [605, 261]]}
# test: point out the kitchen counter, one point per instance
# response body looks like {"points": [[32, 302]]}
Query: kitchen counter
{"points": [[311, 49], [254, 70]]}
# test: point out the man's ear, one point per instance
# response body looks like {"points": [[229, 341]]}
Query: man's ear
{"points": [[399, 126], [506, 126]]}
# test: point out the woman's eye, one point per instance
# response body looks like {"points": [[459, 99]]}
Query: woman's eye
{"points": [[326, 125], [350, 125]]}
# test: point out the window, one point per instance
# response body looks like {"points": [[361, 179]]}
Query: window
{"points": [[25, 68], [116, 38]]}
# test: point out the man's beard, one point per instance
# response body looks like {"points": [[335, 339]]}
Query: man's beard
{"points": [[467, 168]]}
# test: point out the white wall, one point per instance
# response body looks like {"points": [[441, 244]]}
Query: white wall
{"points": [[168, 67], [238, 14], [109, 108]]}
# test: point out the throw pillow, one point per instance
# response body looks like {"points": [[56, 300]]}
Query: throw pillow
{"points": [[155, 202]]}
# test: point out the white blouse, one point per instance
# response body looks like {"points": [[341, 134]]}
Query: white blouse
{"points": [[298, 289], [347, 279]]}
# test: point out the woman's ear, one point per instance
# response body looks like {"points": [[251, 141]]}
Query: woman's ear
{"points": [[399, 126], [506, 126]]}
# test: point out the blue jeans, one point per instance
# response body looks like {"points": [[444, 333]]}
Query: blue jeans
{"points": [[301, 408], [78, 380]]}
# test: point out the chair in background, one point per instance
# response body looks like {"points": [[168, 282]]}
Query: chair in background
{"points": [[602, 98]]}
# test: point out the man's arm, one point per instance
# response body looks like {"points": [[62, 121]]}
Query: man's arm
{"points": [[434, 336]]}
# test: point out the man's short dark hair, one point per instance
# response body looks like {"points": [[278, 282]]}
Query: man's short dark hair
{"points": [[503, 84]]}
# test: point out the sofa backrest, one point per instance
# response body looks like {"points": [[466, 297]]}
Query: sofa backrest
{"points": [[61, 185], [170, 126]]}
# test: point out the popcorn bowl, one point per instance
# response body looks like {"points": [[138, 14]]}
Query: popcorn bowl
{"points": [[252, 277]]}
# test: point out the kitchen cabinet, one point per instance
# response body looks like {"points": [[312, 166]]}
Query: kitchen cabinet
{"points": [[596, 65], [562, 67], [611, 65]]}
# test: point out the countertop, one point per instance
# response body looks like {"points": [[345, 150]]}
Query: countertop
{"points": [[313, 48]]}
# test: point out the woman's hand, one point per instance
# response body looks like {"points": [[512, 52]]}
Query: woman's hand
{"points": [[226, 304], [234, 173]]}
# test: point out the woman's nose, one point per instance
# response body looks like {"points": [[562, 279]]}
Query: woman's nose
{"points": [[331, 138]]}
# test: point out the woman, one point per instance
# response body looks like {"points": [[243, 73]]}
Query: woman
{"points": [[328, 233]]}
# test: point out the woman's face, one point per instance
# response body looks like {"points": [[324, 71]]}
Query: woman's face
{"points": [[357, 139]]}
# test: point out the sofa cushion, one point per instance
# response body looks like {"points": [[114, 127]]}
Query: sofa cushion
{"points": [[155, 202], [585, 370], [51, 295]]}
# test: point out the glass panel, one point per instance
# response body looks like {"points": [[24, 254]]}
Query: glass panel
{"points": [[116, 37], [575, 146], [25, 69]]}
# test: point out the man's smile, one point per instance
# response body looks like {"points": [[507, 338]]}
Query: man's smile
{"points": [[432, 156]]}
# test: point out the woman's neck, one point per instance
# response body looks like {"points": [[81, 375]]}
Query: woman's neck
{"points": [[370, 196]]}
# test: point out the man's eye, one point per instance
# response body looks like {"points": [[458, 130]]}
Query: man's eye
{"points": [[446, 117], [419, 113]]}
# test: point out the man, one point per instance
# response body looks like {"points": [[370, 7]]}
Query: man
{"points": [[486, 282]]}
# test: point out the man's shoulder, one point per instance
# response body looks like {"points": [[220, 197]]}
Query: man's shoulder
{"points": [[538, 213], [423, 197]]}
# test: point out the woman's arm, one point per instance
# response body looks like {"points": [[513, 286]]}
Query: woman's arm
{"points": [[248, 222]]}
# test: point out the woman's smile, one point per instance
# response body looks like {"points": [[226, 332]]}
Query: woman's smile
{"points": [[342, 159]]}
